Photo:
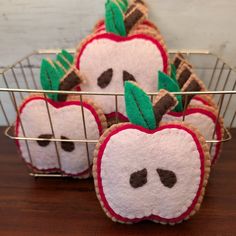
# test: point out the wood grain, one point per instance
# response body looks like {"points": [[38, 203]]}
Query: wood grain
{"points": [[42, 206]]}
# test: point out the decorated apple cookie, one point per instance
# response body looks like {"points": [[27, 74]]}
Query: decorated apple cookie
{"points": [[120, 54], [204, 117], [147, 170], [69, 157]]}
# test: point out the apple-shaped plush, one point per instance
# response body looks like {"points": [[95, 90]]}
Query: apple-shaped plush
{"points": [[203, 116], [109, 59], [147, 171], [68, 157]]}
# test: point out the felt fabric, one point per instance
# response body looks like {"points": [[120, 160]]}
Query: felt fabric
{"points": [[177, 62], [49, 77], [60, 69], [134, 16], [191, 86], [138, 106], [161, 180], [138, 178], [67, 125], [123, 4], [171, 85], [128, 77], [173, 72], [139, 55], [144, 25], [167, 177], [203, 118], [64, 62], [114, 18], [68, 56], [184, 76], [69, 82], [162, 105], [44, 143], [105, 78]]}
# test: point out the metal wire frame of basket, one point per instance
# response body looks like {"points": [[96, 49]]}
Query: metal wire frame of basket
{"points": [[21, 79]]}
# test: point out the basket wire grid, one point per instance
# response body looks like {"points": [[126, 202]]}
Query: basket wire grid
{"points": [[21, 79]]}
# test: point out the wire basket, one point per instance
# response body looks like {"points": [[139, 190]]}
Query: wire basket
{"points": [[21, 79]]}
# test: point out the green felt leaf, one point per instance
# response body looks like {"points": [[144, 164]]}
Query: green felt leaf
{"points": [[167, 83], [49, 78], [114, 19], [68, 56], [173, 72], [139, 106], [123, 5], [60, 70], [64, 62]]}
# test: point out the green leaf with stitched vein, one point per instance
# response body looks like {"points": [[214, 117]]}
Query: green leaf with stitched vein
{"points": [[60, 70], [173, 72], [68, 56], [114, 19], [139, 106], [167, 83], [123, 5], [49, 78], [64, 62]]}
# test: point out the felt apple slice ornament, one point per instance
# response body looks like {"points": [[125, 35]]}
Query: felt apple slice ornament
{"points": [[203, 117], [69, 157], [145, 170], [108, 60]]}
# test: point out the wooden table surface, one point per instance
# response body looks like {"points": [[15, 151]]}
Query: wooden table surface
{"points": [[42, 206]]}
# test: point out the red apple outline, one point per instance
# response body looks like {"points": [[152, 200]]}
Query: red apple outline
{"points": [[57, 105], [98, 180]]}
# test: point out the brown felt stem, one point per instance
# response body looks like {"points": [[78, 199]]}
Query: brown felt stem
{"points": [[184, 75], [134, 15], [69, 82], [178, 58], [163, 103], [192, 85]]}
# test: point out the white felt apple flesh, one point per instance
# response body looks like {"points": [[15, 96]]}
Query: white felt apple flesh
{"points": [[67, 121], [203, 118], [158, 175], [108, 60]]}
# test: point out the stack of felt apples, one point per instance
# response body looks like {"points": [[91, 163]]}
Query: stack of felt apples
{"points": [[149, 164]]}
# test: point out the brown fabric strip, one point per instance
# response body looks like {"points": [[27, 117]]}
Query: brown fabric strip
{"points": [[177, 62], [184, 76], [68, 83], [192, 87], [130, 9], [132, 19], [162, 106]]}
